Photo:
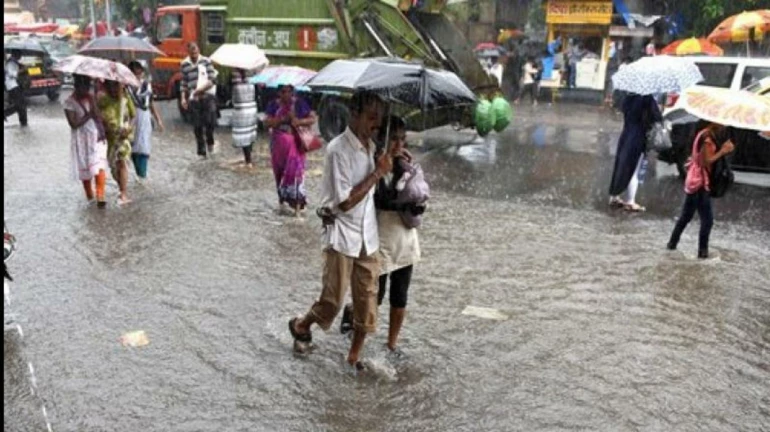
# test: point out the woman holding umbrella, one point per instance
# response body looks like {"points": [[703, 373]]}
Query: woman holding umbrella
{"points": [[145, 112], [284, 115], [244, 122], [88, 151], [118, 113]]}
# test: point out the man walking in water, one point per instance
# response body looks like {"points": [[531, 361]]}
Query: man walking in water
{"points": [[13, 69], [199, 96], [350, 239]]}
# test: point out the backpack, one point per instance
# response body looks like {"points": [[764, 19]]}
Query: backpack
{"points": [[721, 177]]}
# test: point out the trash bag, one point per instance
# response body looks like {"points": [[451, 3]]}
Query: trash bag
{"points": [[484, 117], [503, 113]]}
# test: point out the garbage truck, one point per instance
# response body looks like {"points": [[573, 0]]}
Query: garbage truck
{"points": [[313, 33]]}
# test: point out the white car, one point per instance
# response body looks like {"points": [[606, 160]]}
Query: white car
{"points": [[733, 73]]}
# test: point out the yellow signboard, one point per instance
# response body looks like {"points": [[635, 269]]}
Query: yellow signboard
{"points": [[579, 12]]}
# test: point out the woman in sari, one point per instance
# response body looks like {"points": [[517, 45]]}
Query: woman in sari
{"points": [[285, 114], [88, 152], [118, 113]]}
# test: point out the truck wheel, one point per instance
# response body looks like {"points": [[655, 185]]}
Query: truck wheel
{"points": [[53, 95], [334, 117]]}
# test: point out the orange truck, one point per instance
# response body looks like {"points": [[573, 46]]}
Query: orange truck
{"points": [[311, 34]]}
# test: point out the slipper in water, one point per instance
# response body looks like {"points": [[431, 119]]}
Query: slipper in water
{"points": [[299, 337], [634, 208], [616, 202]]}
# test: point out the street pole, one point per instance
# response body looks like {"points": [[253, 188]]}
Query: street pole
{"points": [[107, 6], [93, 19]]}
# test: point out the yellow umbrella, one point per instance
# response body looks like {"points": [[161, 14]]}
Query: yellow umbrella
{"points": [[739, 109], [738, 28], [692, 46]]}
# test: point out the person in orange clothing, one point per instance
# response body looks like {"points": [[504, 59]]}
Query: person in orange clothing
{"points": [[88, 150]]}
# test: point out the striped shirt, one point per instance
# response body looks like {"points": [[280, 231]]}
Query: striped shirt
{"points": [[190, 72]]}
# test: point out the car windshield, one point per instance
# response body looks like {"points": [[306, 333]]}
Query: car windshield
{"points": [[60, 49], [762, 86]]}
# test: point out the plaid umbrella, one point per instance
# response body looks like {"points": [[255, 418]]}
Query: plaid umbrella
{"points": [[121, 48], [97, 68], [692, 46], [274, 76], [738, 28]]}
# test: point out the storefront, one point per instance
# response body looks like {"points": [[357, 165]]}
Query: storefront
{"points": [[587, 24]]}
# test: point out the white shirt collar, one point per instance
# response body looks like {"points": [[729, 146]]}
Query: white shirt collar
{"points": [[356, 143]]}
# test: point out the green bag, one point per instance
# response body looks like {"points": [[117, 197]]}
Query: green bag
{"points": [[484, 117], [503, 113]]}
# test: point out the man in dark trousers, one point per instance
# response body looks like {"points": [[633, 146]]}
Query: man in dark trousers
{"points": [[13, 69], [199, 96]]}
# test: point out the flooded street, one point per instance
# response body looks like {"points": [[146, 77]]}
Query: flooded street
{"points": [[604, 329]]}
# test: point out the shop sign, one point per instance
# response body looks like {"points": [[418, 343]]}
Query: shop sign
{"points": [[578, 12]]}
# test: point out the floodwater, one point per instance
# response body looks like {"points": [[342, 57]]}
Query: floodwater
{"points": [[604, 330]]}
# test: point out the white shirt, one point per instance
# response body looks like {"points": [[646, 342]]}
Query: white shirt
{"points": [[11, 74], [346, 165], [529, 73]]}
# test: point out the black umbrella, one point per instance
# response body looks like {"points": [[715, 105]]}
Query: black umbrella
{"points": [[28, 45], [396, 80], [121, 49]]}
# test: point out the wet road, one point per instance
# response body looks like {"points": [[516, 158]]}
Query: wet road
{"points": [[605, 329]]}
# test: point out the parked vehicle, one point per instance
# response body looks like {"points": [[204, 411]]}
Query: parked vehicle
{"points": [[311, 34], [752, 152], [58, 50], [39, 78], [733, 73]]}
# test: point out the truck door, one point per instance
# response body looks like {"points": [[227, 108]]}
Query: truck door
{"points": [[169, 38]]}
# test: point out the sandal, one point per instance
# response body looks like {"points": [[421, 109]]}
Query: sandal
{"points": [[616, 202], [634, 208], [299, 337]]}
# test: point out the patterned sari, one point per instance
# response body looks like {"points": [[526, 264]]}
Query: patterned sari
{"points": [[287, 159]]}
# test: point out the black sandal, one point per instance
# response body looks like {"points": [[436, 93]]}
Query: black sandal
{"points": [[304, 338]]}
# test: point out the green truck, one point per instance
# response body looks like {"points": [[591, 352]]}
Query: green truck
{"points": [[312, 33]]}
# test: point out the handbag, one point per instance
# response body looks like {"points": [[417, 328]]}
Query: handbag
{"points": [[658, 138], [306, 139]]}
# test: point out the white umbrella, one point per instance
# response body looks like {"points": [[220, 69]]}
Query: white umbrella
{"points": [[655, 75], [241, 56]]}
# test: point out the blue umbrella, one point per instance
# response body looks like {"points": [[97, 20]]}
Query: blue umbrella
{"points": [[274, 76]]}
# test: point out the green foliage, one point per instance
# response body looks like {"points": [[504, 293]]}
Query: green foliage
{"points": [[702, 16]]}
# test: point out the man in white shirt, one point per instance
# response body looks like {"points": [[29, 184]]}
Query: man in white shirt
{"points": [[198, 96], [15, 91], [350, 242]]}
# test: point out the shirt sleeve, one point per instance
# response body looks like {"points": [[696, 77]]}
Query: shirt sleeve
{"points": [[212, 73], [340, 177], [272, 109], [303, 108], [183, 81]]}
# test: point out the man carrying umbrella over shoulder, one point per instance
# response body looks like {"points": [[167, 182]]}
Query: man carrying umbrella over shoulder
{"points": [[199, 96], [13, 68]]}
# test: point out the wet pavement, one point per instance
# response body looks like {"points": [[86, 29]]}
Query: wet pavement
{"points": [[605, 330]]}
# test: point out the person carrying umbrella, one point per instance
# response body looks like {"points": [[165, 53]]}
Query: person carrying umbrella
{"points": [[118, 113], [350, 239], [87, 149], [697, 186], [244, 115], [13, 70], [145, 112], [199, 96]]}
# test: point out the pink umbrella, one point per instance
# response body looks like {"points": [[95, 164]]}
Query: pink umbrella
{"points": [[97, 68]]}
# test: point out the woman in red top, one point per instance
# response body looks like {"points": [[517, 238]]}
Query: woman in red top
{"points": [[704, 154]]}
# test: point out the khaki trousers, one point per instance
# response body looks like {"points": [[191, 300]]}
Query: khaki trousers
{"points": [[339, 273]]}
